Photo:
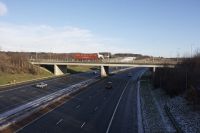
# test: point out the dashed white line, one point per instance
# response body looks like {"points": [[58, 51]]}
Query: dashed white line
{"points": [[59, 121], [83, 124], [78, 106], [108, 129]]}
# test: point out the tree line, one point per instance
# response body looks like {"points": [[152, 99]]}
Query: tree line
{"points": [[184, 79], [13, 62]]}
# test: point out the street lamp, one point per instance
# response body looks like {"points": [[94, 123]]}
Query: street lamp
{"points": [[36, 56], [191, 46], [177, 54]]}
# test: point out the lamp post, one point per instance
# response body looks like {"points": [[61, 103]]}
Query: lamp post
{"points": [[191, 48], [36, 56], [177, 54]]}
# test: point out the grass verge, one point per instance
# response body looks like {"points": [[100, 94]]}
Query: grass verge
{"points": [[7, 78]]}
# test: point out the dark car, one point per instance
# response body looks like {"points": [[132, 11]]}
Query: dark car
{"points": [[108, 85], [129, 75]]}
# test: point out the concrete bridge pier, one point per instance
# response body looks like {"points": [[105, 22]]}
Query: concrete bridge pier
{"points": [[104, 71], [60, 69], [154, 71]]}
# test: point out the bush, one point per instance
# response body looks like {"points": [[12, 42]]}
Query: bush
{"points": [[15, 63], [176, 81]]}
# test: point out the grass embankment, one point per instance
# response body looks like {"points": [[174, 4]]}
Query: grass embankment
{"points": [[7, 78]]}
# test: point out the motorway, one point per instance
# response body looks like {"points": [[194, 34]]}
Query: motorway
{"points": [[16, 96], [95, 110]]}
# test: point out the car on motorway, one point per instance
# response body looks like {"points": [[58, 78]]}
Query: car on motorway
{"points": [[41, 85], [94, 72], [129, 75], [108, 85]]}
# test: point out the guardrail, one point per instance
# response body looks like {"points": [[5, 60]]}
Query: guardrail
{"points": [[14, 115]]}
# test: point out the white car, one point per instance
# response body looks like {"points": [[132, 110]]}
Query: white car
{"points": [[41, 85]]}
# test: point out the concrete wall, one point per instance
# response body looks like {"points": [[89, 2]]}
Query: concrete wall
{"points": [[104, 71], [60, 69], [56, 69]]}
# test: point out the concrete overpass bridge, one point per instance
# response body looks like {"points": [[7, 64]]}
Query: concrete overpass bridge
{"points": [[59, 67]]}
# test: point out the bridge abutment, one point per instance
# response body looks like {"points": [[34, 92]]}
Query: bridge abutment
{"points": [[104, 71], [60, 69]]}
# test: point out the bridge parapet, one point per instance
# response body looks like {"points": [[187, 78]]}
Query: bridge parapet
{"points": [[108, 61]]}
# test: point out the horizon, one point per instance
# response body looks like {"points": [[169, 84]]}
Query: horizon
{"points": [[93, 53], [167, 29]]}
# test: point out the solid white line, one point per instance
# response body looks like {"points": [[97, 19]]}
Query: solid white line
{"points": [[16, 88], [38, 118], [108, 129], [139, 113], [73, 97], [82, 124], [30, 84], [59, 121]]}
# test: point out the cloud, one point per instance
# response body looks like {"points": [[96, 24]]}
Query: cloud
{"points": [[52, 39], [3, 9]]}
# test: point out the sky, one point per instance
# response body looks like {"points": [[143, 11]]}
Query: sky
{"points": [[166, 28]]}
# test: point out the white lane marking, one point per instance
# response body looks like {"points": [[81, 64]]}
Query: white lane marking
{"points": [[16, 88], [30, 84], [82, 124], [139, 113], [38, 118], [59, 121], [108, 129], [96, 109], [78, 106]]}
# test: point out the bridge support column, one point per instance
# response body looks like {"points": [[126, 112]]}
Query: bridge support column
{"points": [[60, 69], [154, 69], [104, 71]]}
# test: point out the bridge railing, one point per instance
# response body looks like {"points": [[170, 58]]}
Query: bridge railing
{"points": [[108, 61]]}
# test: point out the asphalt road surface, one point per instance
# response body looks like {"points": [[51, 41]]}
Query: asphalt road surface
{"points": [[16, 96], [95, 110]]}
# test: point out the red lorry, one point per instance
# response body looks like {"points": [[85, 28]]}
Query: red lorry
{"points": [[84, 56]]}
